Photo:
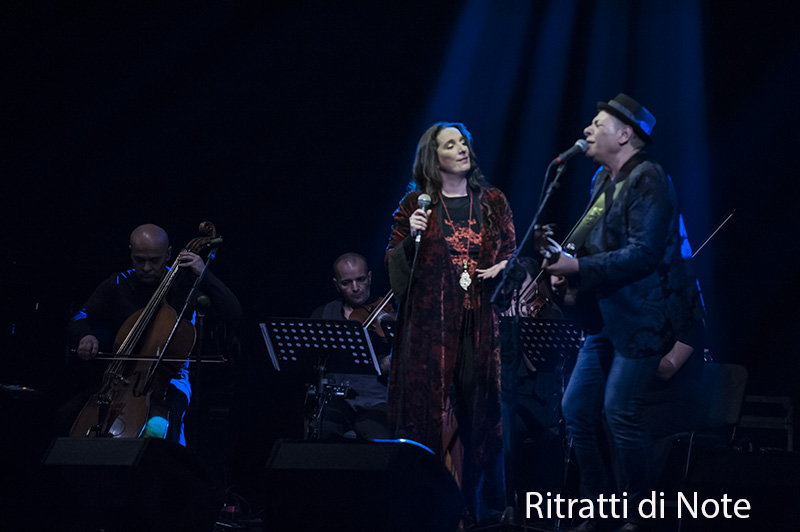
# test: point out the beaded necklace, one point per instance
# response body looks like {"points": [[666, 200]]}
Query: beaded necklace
{"points": [[465, 280]]}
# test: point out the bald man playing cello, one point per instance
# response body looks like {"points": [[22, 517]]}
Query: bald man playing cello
{"points": [[94, 327]]}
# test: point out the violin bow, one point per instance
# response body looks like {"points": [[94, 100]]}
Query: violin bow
{"points": [[714, 232]]}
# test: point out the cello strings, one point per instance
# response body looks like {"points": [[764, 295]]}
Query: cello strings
{"points": [[136, 332]]}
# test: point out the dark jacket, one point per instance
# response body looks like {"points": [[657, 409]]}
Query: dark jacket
{"points": [[631, 262]]}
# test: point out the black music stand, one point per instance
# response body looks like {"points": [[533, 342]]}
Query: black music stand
{"points": [[302, 345], [388, 329], [550, 345], [543, 345]]}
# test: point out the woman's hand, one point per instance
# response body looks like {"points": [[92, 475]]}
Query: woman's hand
{"points": [[491, 272], [419, 221]]}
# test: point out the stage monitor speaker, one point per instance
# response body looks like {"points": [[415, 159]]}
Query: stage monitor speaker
{"points": [[359, 487], [125, 485]]}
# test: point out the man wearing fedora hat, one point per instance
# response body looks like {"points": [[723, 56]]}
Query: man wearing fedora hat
{"points": [[626, 266]]}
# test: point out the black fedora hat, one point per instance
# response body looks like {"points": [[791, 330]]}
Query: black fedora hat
{"points": [[632, 113]]}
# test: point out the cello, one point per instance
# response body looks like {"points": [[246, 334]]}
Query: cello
{"points": [[132, 397]]}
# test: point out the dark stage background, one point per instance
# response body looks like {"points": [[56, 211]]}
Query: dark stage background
{"points": [[292, 126]]}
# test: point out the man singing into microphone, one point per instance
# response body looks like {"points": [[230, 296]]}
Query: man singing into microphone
{"points": [[444, 386], [630, 277]]}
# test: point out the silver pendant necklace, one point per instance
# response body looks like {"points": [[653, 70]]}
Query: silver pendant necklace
{"points": [[465, 279]]}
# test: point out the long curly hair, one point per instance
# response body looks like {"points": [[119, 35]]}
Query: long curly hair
{"points": [[426, 176]]}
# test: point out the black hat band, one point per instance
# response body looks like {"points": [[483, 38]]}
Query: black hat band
{"points": [[647, 128]]}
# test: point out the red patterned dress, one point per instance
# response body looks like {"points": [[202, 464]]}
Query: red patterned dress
{"points": [[444, 387]]}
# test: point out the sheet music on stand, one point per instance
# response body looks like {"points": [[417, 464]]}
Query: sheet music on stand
{"points": [[549, 345], [298, 344]]}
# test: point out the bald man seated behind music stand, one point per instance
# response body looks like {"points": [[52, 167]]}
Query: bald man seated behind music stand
{"points": [[363, 408], [94, 327]]}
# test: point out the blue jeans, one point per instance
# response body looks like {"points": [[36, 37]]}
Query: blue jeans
{"points": [[605, 381]]}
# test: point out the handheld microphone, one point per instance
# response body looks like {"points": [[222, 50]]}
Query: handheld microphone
{"points": [[423, 202], [580, 146]]}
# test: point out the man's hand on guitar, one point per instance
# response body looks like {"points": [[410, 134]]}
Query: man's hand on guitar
{"points": [[564, 293], [560, 264], [556, 262]]}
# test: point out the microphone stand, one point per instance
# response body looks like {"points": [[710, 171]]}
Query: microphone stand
{"points": [[714, 232], [513, 276], [202, 302], [413, 265], [403, 362], [214, 245], [514, 273]]}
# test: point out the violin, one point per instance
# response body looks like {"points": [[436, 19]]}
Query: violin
{"points": [[135, 383], [372, 315]]}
